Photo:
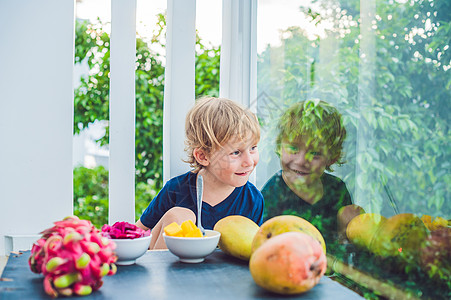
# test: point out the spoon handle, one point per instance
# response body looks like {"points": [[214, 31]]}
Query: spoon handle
{"points": [[199, 187]]}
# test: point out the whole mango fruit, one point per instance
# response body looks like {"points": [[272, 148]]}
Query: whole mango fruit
{"points": [[237, 234], [361, 229], [344, 215], [289, 263], [286, 223]]}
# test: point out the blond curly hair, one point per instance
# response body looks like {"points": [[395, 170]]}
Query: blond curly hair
{"points": [[212, 122], [316, 121]]}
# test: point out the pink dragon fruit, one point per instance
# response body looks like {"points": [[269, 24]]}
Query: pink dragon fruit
{"points": [[73, 256], [123, 230]]}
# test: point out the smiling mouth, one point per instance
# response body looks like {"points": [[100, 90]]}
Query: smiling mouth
{"points": [[242, 173], [300, 172]]}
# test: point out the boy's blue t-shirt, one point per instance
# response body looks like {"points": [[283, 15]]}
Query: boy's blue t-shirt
{"points": [[180, 191]]}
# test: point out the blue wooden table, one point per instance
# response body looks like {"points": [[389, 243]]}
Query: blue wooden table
{"points": [[160, 275]]}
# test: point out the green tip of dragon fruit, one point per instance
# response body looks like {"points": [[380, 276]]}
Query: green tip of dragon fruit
{"points": [[83, 261], [105, 241], [104, 270], [54, 263], [82, 290], [72, 237], [66, 280], [113, 269], [91, 247], [65, 292]]}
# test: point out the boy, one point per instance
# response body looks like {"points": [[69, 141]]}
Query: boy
{"points": [[221, 143], [310, 141]]}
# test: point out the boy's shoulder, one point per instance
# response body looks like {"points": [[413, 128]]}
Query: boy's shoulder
{"points": [[184, 179], [328, 178], [181, 177], [335, 186], [251, 187]]}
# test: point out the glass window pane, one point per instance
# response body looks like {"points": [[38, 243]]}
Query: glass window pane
{"points": [[384, 66]]}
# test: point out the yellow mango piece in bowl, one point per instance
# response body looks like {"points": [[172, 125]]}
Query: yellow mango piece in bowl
{"points": [[190, 229], [195, 233], [173, 229]]}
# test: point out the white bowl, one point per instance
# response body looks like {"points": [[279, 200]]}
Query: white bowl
{"points": [[193, 250], [129, 250]]}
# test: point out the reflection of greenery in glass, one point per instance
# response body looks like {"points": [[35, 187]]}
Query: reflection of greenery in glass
{"points": [[407, 280], [316, 220], [405, 116]]}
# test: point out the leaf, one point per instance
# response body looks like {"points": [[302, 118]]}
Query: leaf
{"points": [[383, 122], [403, 125], [417, 161], [412, 125], [432, 176], [370, 118]]}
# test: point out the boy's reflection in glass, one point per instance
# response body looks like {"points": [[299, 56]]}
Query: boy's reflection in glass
{"points": [[310, 140]]}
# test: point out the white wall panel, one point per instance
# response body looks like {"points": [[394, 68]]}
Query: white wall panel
{"points": [[36, 114]]}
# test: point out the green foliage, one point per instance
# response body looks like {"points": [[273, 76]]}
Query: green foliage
{"points": [[144, 193], [91, 194], [207, 70], [91, 97]]}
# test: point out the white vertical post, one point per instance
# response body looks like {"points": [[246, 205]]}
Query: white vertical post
{"points": [[238, 66], [122, 112], [36, 117], [367, 197], [179, 92]]}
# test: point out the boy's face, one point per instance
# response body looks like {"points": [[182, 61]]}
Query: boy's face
{"points": [[233, 164], [302, 164]]}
